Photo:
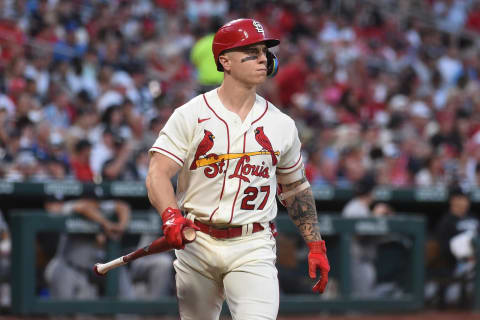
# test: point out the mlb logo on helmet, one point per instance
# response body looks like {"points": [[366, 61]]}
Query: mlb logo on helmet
{"points": [[258, 26]]}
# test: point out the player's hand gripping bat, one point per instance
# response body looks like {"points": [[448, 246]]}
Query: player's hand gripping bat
{"points": [[157, 246]]}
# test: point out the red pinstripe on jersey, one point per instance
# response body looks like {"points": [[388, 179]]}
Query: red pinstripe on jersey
{"points": [[176, 157], [266, 108], [299, 158], [239, 181], [228, 149]]}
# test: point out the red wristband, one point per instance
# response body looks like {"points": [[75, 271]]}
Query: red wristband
{"points": [[317, 246]]}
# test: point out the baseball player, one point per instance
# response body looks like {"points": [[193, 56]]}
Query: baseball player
{"points": [[231, 148]]}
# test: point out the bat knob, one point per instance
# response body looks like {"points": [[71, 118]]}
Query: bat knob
{"points": [[95, 269], [189, 234]]}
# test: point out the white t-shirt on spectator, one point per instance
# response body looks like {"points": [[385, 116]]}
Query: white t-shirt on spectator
{"points": [[100, 154], [356, 208]]}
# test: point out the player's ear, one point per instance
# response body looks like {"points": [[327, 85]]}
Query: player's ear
{"points": [[225, 61]]}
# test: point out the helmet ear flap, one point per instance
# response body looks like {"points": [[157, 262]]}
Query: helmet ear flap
{"points": [[272, 64]]}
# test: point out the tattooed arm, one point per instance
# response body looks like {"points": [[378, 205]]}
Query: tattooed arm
{"points": [[302, 211]]}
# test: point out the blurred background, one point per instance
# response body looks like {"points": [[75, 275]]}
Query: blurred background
{"points": [[386, 97]]}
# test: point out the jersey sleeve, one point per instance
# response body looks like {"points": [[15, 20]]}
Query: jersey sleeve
{"points": [[174, 139], [291, 159]]}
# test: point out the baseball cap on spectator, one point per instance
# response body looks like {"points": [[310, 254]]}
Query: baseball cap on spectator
{"points": [[82, 144], [346, 35], [456, 191], [398, 102], [476, 138], [35, 115], [381, 118], [122, 79], [365, 185], [420, 109], [391, 150], [109, 98], [26, 158], [56, 139]]}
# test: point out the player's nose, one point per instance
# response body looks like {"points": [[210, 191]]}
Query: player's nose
{"points": [[262, 58]]}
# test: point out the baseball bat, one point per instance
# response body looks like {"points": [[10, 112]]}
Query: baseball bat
{"points": [[157, 246]]}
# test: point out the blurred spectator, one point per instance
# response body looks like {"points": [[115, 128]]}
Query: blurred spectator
{"points": [[152, 275], [151, 134], [120, 165], [5, 262], [351, 167], [69, 273], [384, 95], [59, 113], [83, 127], [104, 149], [433, 175], [379, 264], [86, 87], [473, 20], [359, 206], [81, 161], [362, 268], [454, 234], [296, 69], [392, 260], [320, 170], [25, 167]]}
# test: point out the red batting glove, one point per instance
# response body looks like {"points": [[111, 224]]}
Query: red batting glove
{"points": [[317, 258], [173, 224]]}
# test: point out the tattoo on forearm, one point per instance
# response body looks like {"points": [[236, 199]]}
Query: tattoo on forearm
{"points": [[302, 211]]}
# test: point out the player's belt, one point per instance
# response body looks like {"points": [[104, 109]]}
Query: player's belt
{"points": [[225, 233]]}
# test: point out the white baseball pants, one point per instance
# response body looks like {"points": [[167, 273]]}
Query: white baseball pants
{"points": [[240, 270]]}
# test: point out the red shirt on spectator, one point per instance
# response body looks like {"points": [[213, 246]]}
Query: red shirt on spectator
{"points": [[82, 171], [290, 80], [11, 40], [473, 20]]}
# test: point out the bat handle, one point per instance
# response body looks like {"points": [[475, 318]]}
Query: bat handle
{"points": [[159, 245]]}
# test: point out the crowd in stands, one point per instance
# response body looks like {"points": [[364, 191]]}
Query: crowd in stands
{"points": [[389, 87], [386, 89]]}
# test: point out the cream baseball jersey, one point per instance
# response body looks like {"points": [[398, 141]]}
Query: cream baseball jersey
{"points": [[228, 174]]}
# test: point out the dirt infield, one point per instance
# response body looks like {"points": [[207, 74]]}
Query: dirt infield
{"points": [[410, 316]]}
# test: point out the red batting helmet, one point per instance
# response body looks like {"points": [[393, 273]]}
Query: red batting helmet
{"points": [[239, 33]]}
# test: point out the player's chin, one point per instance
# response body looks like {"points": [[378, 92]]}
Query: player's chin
{"points": [[259, 76]]}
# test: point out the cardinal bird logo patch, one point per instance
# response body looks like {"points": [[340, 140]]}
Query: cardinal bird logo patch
{"points": [[205, 145], [265, 143], [246, 165]]}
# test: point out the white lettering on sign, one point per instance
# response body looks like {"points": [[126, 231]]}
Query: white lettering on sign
{"points": [[372, 227], [63, 188], [74, 225], [6, 187], [129, 189]]}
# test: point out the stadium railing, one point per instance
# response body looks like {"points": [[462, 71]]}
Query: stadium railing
{"points": [[137, 189], [27, 224]]}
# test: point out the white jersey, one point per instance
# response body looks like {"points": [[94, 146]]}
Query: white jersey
{"points": [[228, 174]]}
